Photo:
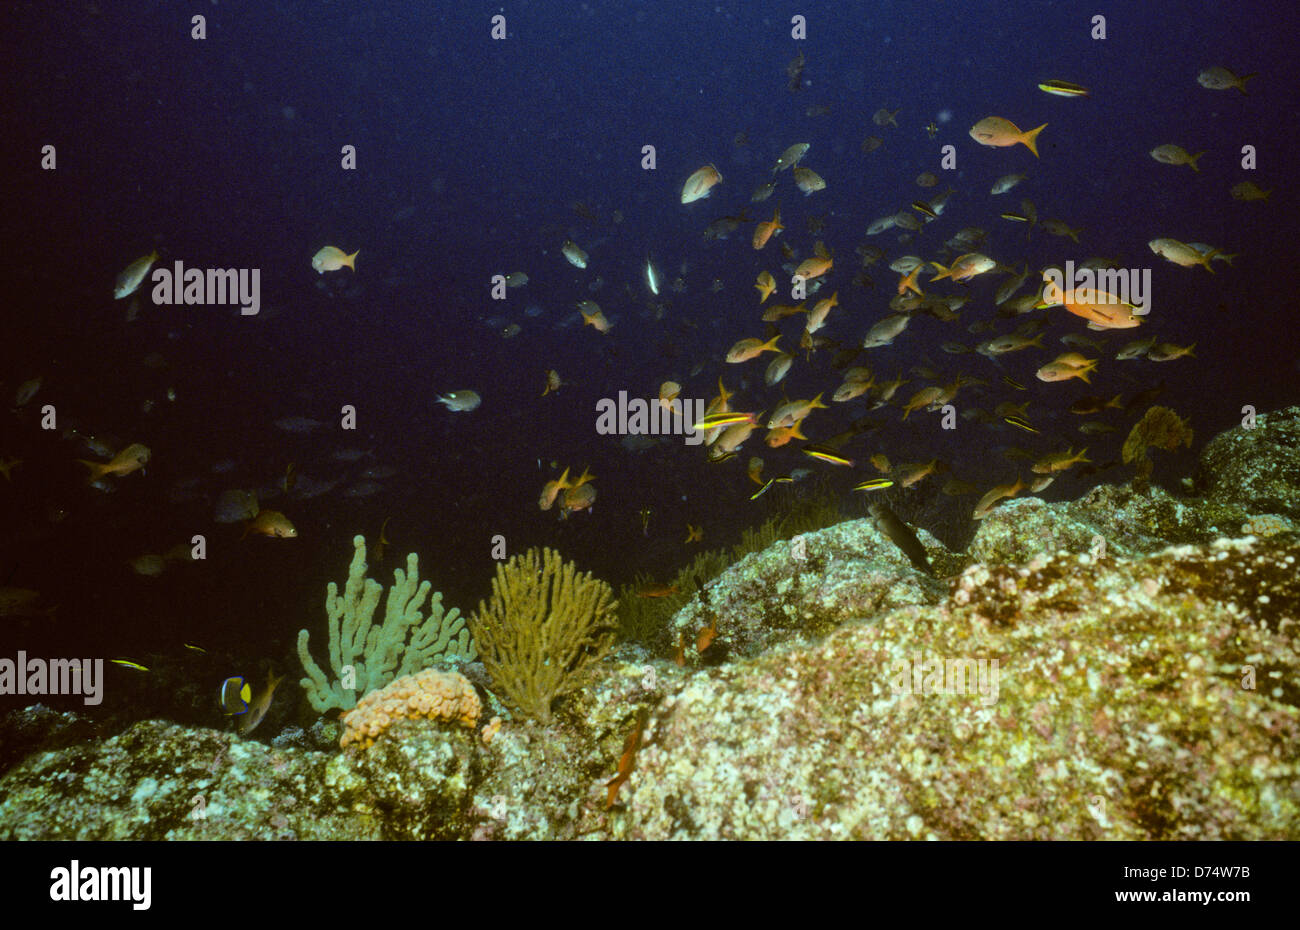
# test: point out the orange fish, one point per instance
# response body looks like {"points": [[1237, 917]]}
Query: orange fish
{"points": [[780, 435], [656, 590], [767, 229], [707, 635], [1101, 309], [627, 761], [907, 282]]}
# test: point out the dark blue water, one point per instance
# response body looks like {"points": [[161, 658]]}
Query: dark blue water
{"points": [[471, 156]]}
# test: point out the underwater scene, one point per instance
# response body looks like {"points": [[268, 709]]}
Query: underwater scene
{"points": [[649, 420]]}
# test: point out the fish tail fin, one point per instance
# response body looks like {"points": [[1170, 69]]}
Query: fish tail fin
{"points": [[1037, 341], [1074, 233], [1205, 260], [1114, 402], [771, 344], [1241, 81], [1031, 139], [1190, 353], [794, 431], [1083, 373], [97, 470], [351, 260], [247, 527], [1193, 159], [1083, 455], [943, 272], [817, 402]]}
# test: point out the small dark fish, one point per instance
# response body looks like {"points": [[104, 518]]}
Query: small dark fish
{"points": [[1142, 398], [1096, 469], [794, 71], [900, 534]]}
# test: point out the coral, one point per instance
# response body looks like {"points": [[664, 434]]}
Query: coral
{"points": [[1159, 427], [430, 693], [543, 629], [353, 635], [1055, 688]]}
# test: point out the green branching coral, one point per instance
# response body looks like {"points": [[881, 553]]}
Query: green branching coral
{"points": [[543, 629], [365, 656]]}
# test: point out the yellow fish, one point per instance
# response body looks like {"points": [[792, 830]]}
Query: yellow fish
{"points": [[1182, 254], [129, 280], [999, 132], [551, 490], [332, 259], [1175, 155], [573, 254], [271, 523], [813, 267], [132, 458], [593, 316], [746, 349]]}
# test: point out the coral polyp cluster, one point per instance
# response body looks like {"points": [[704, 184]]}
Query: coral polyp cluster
{"points": [[430, 693]]}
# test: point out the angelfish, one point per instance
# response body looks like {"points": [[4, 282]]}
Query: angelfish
{"points": [[259, 706]]}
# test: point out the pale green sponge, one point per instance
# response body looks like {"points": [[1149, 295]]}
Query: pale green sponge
{"points": [[365, 656]]}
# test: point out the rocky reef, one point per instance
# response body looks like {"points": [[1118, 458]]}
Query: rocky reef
{"points": [[1121, 666]]}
